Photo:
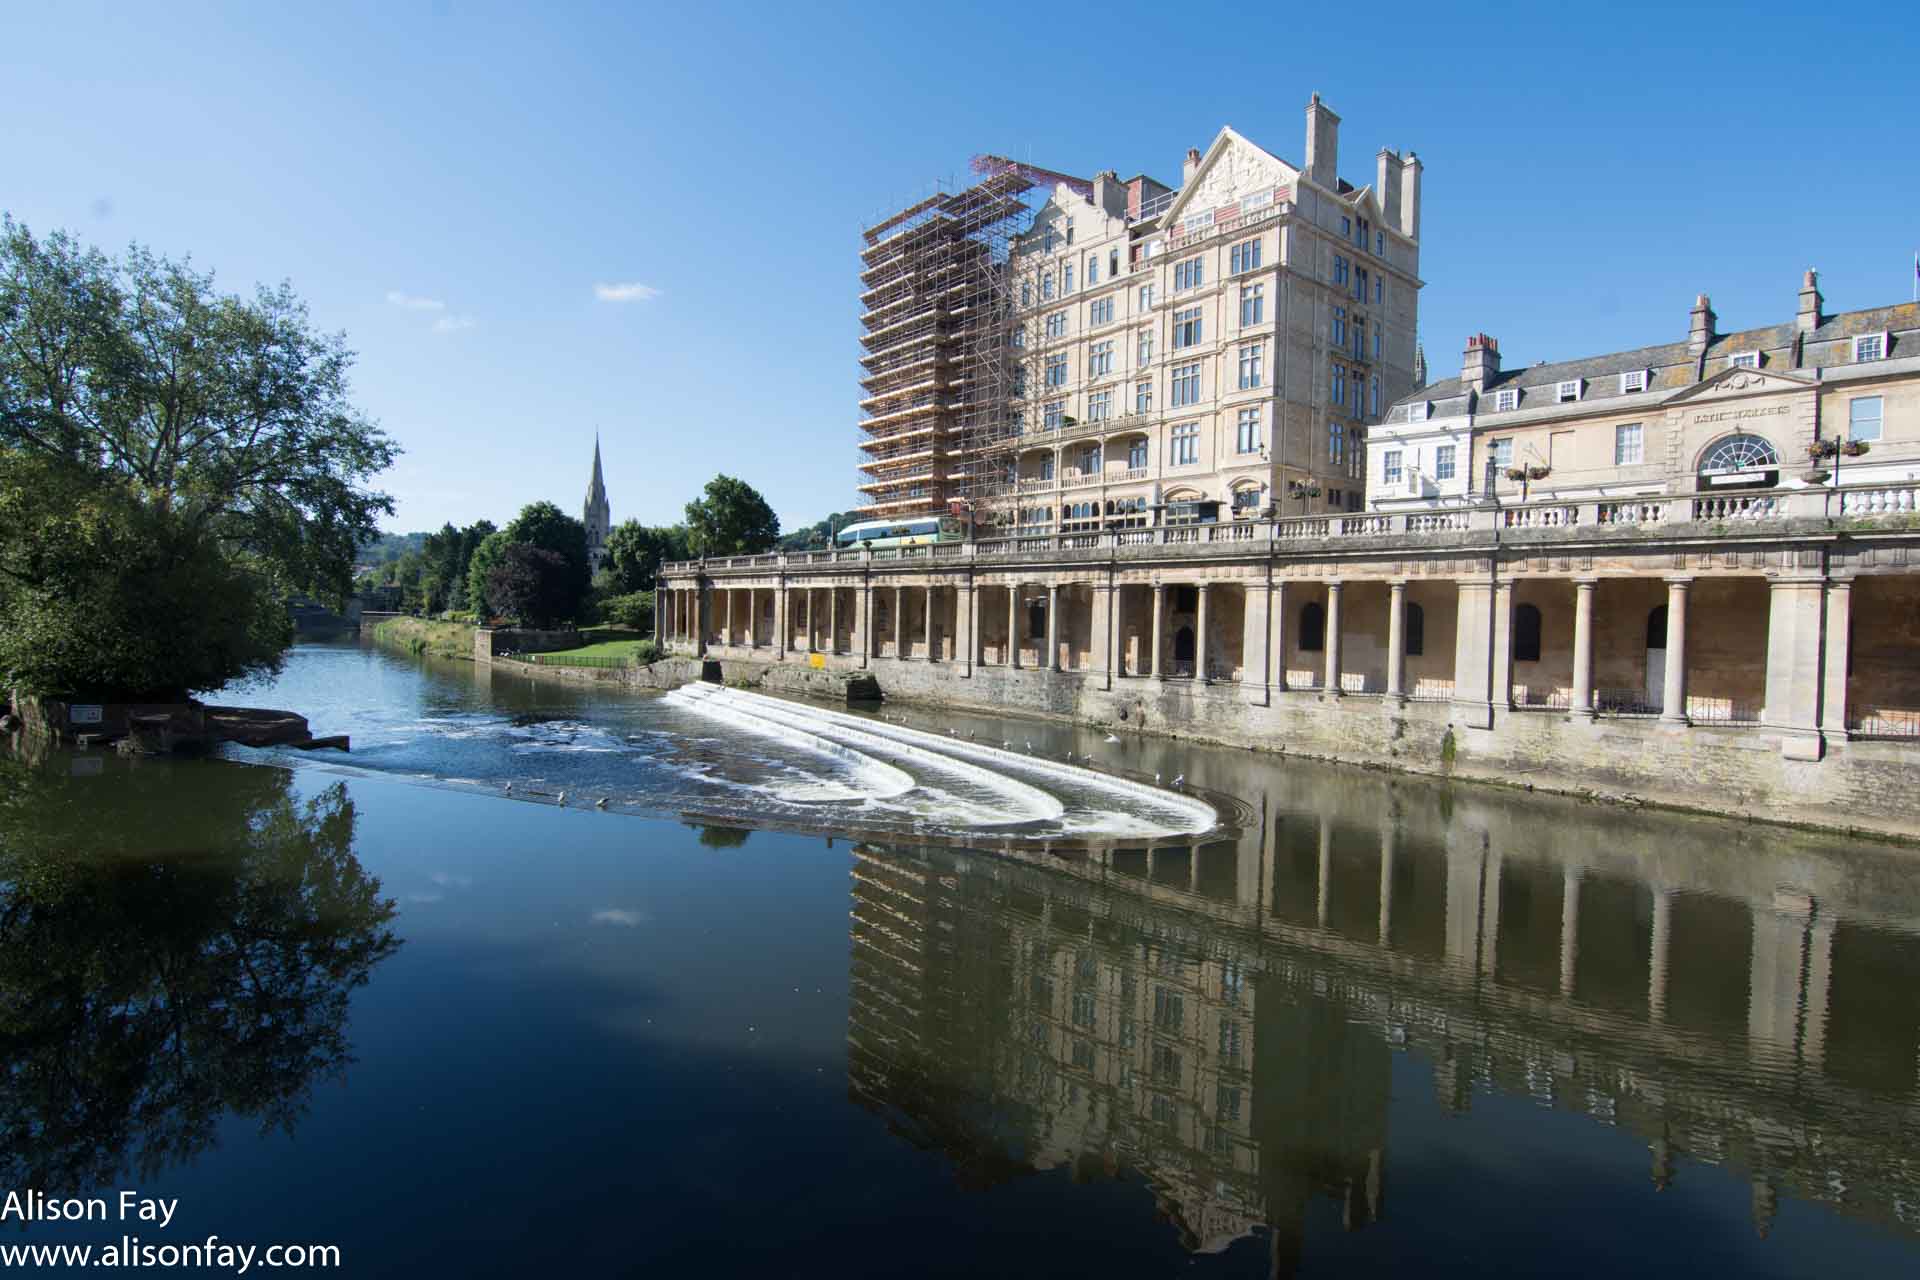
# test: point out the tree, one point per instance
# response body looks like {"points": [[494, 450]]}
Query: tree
{"points": [[815, 534], [543, 525], [731, 519], [485, 554], [532, 585], [636, 551], [215, 425]]}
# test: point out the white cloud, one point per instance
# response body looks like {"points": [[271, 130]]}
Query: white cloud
{"points": [[449, 324], [615, 915], [631, 291], [413, 302]]}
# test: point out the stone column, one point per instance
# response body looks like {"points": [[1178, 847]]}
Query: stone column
{"points": [[726, 613], [1331, 639], [1581, 703], [833, 619], [1159, 625], [1673, 701], [1100, 645], [1788, 977], [926, 623], [900, 623], [1200, 634], [1396, 640], [782, 626], [1569, 929], [1833, 702], [1473, 654], [1277, 644], [659, 619], [1501, 691], [1013, 625], [702, 619], [1795, 621], [1662, 948], [976, 632], [966, 621], [863, 620], [1052, 660]]}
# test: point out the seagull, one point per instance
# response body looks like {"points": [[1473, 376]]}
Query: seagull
{"points": [[1113, 737], [1029, 746], [1156, 779], [509, 786], [1180, 780], [563, 797], [1006, 746], [601, 803]]}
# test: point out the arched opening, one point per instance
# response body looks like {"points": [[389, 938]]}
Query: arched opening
{"points": [[1313, 627], [1414, 629], [1526, 634], [1657, 628], [1183, 645], [1739, 461]]}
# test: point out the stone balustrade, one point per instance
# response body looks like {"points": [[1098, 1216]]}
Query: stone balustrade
{"points": [[1792, 510]]}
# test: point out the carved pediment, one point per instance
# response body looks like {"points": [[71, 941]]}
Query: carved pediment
{"points": [[1744, 382], [1232, 168]]}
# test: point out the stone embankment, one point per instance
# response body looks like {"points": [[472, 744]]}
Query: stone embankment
{"points": [[160, 728]]}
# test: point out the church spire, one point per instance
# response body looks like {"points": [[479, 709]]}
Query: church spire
{"points": [[1419, 371], [597, 516]]}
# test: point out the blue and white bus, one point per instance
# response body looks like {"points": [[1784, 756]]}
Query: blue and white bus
{"points": [[908, 532]]}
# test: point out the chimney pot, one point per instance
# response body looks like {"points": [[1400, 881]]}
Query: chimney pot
{"points": [[1323, 144], [1191, 166]]}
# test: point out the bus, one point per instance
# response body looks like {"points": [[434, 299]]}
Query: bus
{"points": [[909, 532]]}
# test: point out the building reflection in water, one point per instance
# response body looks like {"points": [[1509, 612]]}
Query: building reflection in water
{"points": [[1223, 1019]]}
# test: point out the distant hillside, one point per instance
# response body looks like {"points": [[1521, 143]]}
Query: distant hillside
{"points": [[389, 547]]}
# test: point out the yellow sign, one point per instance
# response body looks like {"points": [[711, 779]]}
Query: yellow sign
{"points": [[818, 661]]}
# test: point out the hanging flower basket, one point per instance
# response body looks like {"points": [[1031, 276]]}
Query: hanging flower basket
{"points": [[1516, 473], [1821, 449], [1854, 448], [1537, 472]]}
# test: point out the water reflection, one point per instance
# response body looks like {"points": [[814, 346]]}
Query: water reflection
{"points": [[1226, 1019], [178, 943]]}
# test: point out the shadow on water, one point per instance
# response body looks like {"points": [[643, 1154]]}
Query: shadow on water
{"points": [[178, 943]]}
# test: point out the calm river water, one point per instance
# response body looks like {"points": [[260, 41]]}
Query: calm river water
{"points": [[772, 991]]}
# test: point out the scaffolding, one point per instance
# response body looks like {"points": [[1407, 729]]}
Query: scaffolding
{"points": [[936, 283]]}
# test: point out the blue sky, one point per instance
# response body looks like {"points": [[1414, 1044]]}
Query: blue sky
{"points": [[449, 183]]}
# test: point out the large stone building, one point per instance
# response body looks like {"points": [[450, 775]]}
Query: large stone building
{"points": [[1740, 418], [1216, 351], [1139, 354]]}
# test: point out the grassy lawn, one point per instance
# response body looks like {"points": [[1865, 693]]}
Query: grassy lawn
{"points": [[604, 649], [418, 635]]}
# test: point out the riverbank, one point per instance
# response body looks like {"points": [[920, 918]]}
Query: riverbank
{"points": [[421, 636]]}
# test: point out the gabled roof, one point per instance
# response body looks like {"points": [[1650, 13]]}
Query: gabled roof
{"points": [[1227, 137]]}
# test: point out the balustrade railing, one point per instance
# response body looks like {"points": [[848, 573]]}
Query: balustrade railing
{"points": [[1648, 513], [1884, 722]]}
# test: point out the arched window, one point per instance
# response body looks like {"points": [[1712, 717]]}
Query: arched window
{"points": [[1739, 453], [1313, 628], [1415, 630], [1657, 628], [1526, 634]]}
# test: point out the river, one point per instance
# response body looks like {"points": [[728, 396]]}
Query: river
{"points": [[542, 978]]}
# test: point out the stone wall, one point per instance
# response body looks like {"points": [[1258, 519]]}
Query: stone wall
{"points": [[489, 642]]}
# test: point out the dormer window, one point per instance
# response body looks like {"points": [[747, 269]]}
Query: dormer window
{"points": [[1633, 380], [1568, 390], [1870, 346], [1505, 400], [1744, 360], [1419, 410]]}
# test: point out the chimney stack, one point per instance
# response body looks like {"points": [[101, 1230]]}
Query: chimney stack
{"points": [[1700, 329], [1191, 167], [1323, 144], [1482, 363], [1386, 186], [1807, 319], [1410, 196], [1109, 196]]}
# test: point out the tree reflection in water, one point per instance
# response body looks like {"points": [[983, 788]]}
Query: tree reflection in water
{"points": [[177, 942]]}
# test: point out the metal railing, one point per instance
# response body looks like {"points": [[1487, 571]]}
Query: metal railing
{"points": [[1884, 722]]}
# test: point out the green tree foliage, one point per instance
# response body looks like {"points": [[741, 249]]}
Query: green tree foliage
{"points": [[635, 609], [479, 566], [731, 519], [531, 585], [543, 525], [820, 533], [196, 964], [213, 428], [636, 551]]}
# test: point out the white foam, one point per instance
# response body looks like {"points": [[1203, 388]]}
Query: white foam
{"points": [[1012, 802], [874, 779]]}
